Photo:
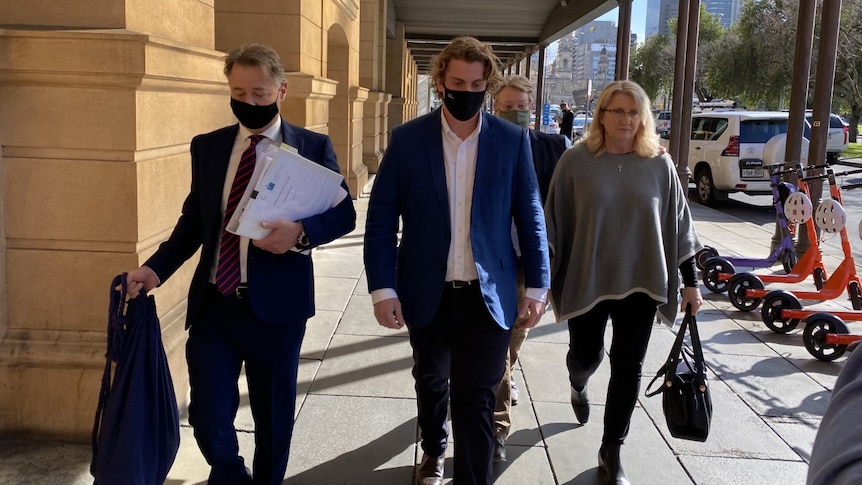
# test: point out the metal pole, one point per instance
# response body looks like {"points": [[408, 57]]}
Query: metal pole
{"points": [[830, 18], [540, 82], [798, 100], [624, 35], [676, 104], [693, 28]]}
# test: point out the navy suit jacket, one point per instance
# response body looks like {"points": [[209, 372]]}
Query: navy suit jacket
{"points": [[281, 286], [411, 184]]}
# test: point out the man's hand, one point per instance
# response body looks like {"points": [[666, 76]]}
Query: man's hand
{"points": [[691, 295], [284, 236], [530, 312], [137, 280], [388, 313]]}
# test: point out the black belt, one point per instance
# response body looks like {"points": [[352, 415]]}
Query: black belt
{"points": [[458, 284]]}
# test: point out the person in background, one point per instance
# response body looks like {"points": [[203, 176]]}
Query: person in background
{"points": [[456, 179], [620, 234], [249, 300], [567, 120], [514, 102]]}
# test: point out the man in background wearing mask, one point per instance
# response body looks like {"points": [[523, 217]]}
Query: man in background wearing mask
{"points": [[514, 102], [457, 178], [249, 299]]}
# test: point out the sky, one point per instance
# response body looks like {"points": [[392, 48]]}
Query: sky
{"points": [[638, 18]]}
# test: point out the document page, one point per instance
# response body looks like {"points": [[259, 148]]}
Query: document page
{"points": [[291, 187]]}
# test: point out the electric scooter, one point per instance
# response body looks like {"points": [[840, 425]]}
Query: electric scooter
{"points": [[744, 289], [717, 270], [782, 310]]}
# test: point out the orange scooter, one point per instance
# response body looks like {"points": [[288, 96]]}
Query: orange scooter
{"points": [[782, 310], [746, 290]]}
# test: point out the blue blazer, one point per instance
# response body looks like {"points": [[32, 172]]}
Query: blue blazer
{"points": [[281, 286], [411, 184]]}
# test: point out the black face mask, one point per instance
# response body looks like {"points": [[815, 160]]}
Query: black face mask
{"points": [[251, 116], [463, 105]]}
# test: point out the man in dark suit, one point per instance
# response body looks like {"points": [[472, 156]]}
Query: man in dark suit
{"points": [[457, 179], [567, 120], [249, 299], [514, 102]]}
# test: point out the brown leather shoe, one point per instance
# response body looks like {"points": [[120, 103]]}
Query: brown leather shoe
{"points": [[430, 470]]}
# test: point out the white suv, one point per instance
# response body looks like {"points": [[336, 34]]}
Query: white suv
{"points": [[726, 152], [837, 138]]}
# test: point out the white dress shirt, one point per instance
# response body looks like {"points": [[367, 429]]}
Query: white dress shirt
{"points": [[271, 136]]}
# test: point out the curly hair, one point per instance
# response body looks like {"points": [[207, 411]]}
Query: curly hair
{"points": [[468, 49]]}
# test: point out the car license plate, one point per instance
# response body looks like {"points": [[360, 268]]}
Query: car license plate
{"points": [[752, 173]]}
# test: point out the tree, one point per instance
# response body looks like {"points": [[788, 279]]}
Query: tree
{"points": [[652, 64], [755, 62], [847, 94]]}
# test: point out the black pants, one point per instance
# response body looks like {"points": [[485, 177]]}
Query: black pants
{"points": [[458, 359], [632, 319], [228, 335]]}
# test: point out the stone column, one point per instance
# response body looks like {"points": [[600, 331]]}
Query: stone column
{"points": [[95, 126]]}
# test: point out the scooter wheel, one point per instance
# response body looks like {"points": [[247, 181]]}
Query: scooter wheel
{"points": [[789, 260], [814, 336], [736, 291], [819, 278], [855, 295], [773, 303], [704, 255], [713, 268]]}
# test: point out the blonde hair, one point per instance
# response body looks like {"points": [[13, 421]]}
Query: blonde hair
{"points": [[518, 82], [469, 49], [646, 143]]}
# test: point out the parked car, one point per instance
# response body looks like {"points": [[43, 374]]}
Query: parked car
{"points": [[662, 121], [837, 138], [726, 152], [580, 126]]}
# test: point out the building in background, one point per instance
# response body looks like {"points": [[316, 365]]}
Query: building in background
{"points": [[727, 12]]}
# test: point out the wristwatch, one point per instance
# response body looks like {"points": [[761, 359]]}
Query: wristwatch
{"points": [[302, 241]]}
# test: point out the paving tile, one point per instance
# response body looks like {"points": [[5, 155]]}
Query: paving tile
{"points": [[713, 470], [332, 293], [366, 366], [349, 439]]}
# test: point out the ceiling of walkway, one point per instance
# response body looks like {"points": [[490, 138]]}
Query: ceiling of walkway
{"points": [[514, 28]]}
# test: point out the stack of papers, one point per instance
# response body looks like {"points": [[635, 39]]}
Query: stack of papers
{"points": [[291, 187]]}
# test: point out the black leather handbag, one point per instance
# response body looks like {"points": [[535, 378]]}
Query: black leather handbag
{"points": [[685, 391]]}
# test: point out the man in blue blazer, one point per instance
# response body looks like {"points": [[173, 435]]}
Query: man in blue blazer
{"points": [[457, 179], [249, 299]]}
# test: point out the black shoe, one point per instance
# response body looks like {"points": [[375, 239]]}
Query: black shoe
{"points": [[581, 405], [610, 465], [499, 449], [430, 470]]}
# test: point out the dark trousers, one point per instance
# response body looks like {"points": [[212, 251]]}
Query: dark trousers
{"points": [[227, 336], [458, 360], [632, 319]]}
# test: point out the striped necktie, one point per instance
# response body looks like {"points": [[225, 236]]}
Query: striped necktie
{"points": [[228, 272]]}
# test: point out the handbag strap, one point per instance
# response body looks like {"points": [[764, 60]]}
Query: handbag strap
{"points": [[669, 368], [699, 364]]}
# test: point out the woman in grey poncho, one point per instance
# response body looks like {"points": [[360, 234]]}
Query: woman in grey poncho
{"points": [[618, 229]]}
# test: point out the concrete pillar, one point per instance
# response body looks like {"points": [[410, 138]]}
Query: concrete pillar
{"points": [[95, 129]]}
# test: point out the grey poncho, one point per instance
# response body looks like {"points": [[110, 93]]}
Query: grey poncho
{"points": [[617, 224]]}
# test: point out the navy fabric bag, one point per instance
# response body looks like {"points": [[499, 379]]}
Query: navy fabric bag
{"points": [[136, 434]]}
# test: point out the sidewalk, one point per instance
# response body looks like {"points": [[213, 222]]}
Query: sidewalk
{"points": [[356, 413]]}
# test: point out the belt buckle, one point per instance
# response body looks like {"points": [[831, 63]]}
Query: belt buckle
{"points": [[241, 292], [457, 284]]}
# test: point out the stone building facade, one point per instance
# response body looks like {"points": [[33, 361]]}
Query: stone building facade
{"points": [[99, 100]]}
